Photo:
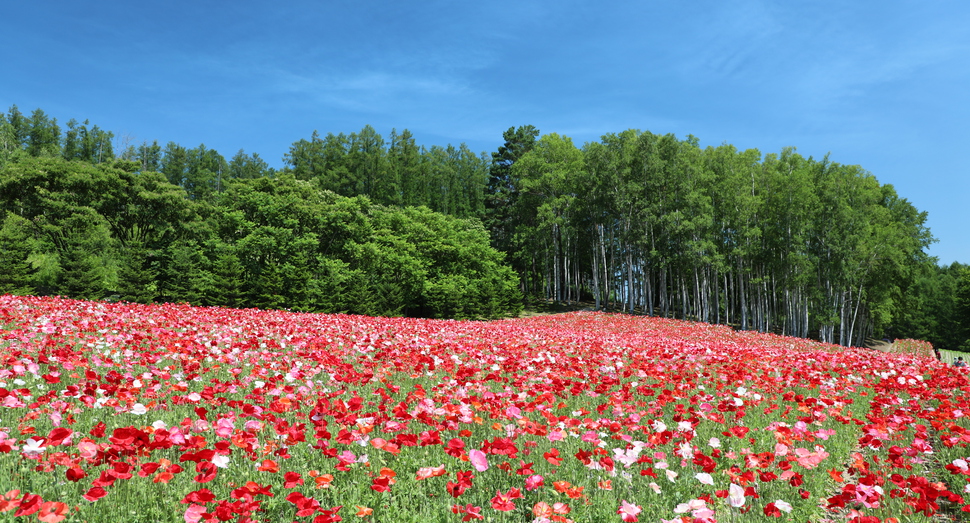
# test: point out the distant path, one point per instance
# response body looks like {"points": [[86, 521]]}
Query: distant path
{"points": [[879, 345]]}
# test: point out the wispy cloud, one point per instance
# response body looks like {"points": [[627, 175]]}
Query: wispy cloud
{"points": [[368, 91]]}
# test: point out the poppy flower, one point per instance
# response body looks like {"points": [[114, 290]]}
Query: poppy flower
{"points": [[95, 493], [203, 495], [628, 512], [75, 474], [430, 472], [194, 513], [469, 512], [323, 481], [552, 456], [163, 477], [292, 479], [542, 510], [478, 460], [328, 515], [52, 512], [34, 447], [305, 506], [10, 500], [268, 465], [381, 484], [29, 504], [503, 502], [534, 481], [736, 495]]}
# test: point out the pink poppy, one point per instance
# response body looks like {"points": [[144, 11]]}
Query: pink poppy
{"points": [[478, 460]]}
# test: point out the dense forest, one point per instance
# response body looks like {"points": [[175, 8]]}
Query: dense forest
{"points": [[636, 222]]}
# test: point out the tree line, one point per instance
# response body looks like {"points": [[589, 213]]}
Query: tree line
{"points": [[116, 227], [774, 242], [638, 222]]}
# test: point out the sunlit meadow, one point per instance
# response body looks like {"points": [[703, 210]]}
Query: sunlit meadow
{"points": [[120, 412]]}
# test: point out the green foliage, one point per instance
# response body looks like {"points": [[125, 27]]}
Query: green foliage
{"points": [[182, 273], [463, 277], [16, 246], [45, 135], [309, 249], [500, 191], [962, 307], [84, 249], [137, 274], [228, 287]]}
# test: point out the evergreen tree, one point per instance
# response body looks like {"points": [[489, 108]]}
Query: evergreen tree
{"points": [[45, 135], [305, 159], [179, 273], [962, 307], [500, 192], [96, 145], [149, 156], [175, 164], [404, 159], [17, 276], [84, 248], [247, 167], [137, 274], [228, 285], [269, 289], [20, 127]]}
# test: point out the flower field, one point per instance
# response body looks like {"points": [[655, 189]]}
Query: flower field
{"points": [[121, 412]]}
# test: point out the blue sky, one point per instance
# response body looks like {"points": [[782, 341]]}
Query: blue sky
{"points": [[878, 84]]}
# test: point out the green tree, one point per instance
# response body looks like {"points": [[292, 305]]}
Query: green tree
{"points": [[96, 145], [305, 159], [180, 267], [175, 164], [137, 274], [19, 127], [928, 310], [500, 191], [85, 251], [368, 167], [247, 166], [546, 180], [206, 173], [16, 246], [404, 159], [149, 156], [962, 307], [45, 135], [228, 287]]}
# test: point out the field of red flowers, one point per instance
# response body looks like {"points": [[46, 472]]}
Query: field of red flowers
{"points": [[120, 412]]}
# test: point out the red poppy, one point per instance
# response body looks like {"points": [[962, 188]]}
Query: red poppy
{"points": [[503, 502], [52, 511], [328, 516], [29, 504], [552, 456], [75, 474], [292, 479], [206, 471], [268, 465], [199, 496], [304, 506], [381, 484], [95, 493]]}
